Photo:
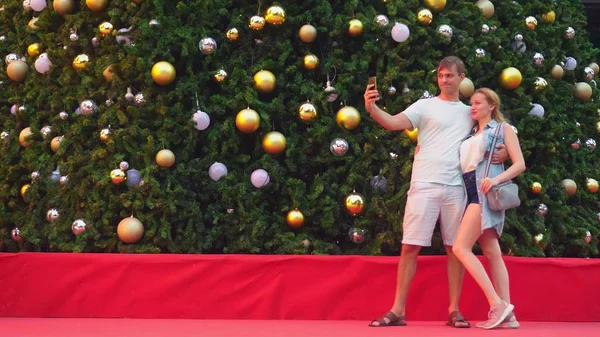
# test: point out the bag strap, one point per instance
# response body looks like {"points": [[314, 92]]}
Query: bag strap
{"points": [[489, 159]]}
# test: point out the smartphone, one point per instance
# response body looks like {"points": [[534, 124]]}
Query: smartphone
{"points": [[373, 80]]}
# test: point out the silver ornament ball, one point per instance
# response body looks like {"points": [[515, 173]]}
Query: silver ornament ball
{"points": [[63, 115], [445, 30], [479, 52], [124, 166], [339, 147], [78, 226], [207, 45], [88, 107], [52, 214], [382, 20], [543, 209]]}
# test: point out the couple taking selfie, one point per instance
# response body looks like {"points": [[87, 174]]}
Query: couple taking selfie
{"points": [[458, 177]]}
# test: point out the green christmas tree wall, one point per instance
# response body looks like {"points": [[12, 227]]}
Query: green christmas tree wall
{"points": [[183, 210]]}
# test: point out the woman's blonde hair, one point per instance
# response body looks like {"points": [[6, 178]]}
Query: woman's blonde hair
{"points": [[492, 98]]}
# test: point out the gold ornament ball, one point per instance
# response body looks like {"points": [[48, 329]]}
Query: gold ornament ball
{"points": [[163, 73], [591, 185], [582, 91], [34, 49], [25, 137], [232, 34], [307, 112], [355, 204], [570, 186], [413, 134], [510, 78], [81, 62], [549, 17], [264, 81], [531, 22], [307, 33], [105, 28], [117, 176], [540, 84], [32, 23], [274, 143], [557, 72], [17, 70], [64, 7], [247, 120], [435, 5], [425, 16], [165, 158], [595, 67], [536, 188], [256, 22], [24, 189], [220, 75], [130, 230], [104, 134], [486, 7], [466, 88], [348, 118], [311, 62], [55, 143], [275, 15], [96, 5], [295, 218], [355, 27], [108, 73]]}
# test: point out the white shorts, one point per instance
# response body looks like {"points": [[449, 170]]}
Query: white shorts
{"points": [[428, 202]]}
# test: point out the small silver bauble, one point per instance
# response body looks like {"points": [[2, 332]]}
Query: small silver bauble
{"points": [[485, 28], [139, 98], [11, 57], [63, 180], [207, 45], [357, 235], [124, 166], [405, 90], [4, 135], [88, 107], [479, 52], [52, 214], [2, 38], [445, 30], [153, 23], [74, 37], [230, 211], [22, 109], [78, 226], [392, 90], [543, 209], [46, 130], [95, 42], [109, 102], [589, 73], [129, 95], [339, 147], [518, 37], [590, 143], [393, 155], [63, 115], [35, 175], [27, 5], [382, 20], [570, 33], [332, 94], [538, 58], [588, 237], [16, 234]]}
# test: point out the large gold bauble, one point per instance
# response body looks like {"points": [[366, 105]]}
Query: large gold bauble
{"points": [[232, 34], [557, 72], [549, 17], [130, 230], [105, 28], [413, 134], [531, 22], [591, 185], [17, 70], [274, 143], [295, 218], [435, 5], [275, 15], [510, 78], [264, 81], [165, 158], [34, 49], [595, 67], [355, 27], [25, 137], [536, 187], [487, 8], [81, 62], [425, 16], [311, 62], [307, 112], [117, 176], [163, 73], [55, 143], [307, 33], [540, 84], [466, 88], [247, 120], [256, 22], [348, 118], [569, 185], [24, 189], [64, 7], [355, 204], [582, 91], [108, 73], [97, 5]]}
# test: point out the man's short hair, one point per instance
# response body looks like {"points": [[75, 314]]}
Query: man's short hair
{"points": [[450, 61]]}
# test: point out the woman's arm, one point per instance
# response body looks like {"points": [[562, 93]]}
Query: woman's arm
{"points": [[516, 156]]}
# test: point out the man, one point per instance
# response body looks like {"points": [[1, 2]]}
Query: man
{"points": [[436, 188]]}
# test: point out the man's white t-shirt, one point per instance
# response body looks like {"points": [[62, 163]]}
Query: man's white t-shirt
{"points": [[442, 126]]}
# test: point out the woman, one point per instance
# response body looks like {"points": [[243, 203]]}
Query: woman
{"points": [[479, 222]]}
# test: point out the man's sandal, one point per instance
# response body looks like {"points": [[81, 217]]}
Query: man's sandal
{"points": [[389, 319], [456, 320]]}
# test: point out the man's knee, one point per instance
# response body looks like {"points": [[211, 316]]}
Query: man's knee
{"points": [[410, 251]]}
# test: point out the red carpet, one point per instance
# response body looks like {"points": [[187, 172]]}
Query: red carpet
{"points": [[276, 287], [36, 327]]}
